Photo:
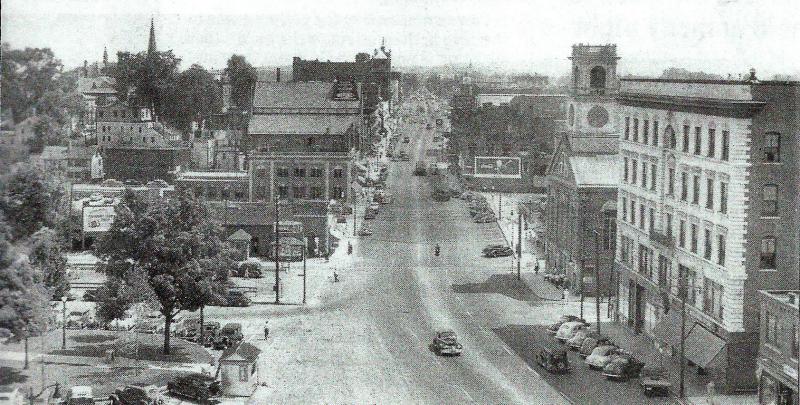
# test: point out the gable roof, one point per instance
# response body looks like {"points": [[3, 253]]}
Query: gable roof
{"points": [[97, 85], [596, 171], [302, 95], [244, 351], [240, 235]]}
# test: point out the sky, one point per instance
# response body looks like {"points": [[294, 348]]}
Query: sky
{"points": [[716, 36]]}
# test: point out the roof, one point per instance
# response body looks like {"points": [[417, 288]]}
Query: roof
{"points": [[593, 144], [242, 352], [306, 95], [600, 170], [240, 235], [300, 123], [54, 152], [81, 152], [97, 85]]}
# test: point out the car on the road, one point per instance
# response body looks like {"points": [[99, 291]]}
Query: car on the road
{"points": [[569, 329], [499, 252], [79, 395], [576, 341], [236, 299], [229, 335], [90, 295], [553, 327], [655, 381], [489, 248], [197, 387], [553, 358], [137, 395], [406, 139], [484, 219], [602, 355], [592, 341], [365, 232], [445, 343], [420, 169], [623, 368]]}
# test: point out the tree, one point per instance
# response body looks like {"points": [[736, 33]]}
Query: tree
{"points": [[194, 96], [684, 74], [151, 76], [28, 201], [172, 248], [242, 76], [26, 75], [46, 256]]}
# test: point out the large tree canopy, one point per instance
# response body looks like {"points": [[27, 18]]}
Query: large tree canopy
{"points": [[194, 96], [27, 74], [150, 76], [28, 201], [242, 76]]}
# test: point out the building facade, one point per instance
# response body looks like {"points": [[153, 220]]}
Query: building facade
{"points": [[777, 368], [707, 212]]}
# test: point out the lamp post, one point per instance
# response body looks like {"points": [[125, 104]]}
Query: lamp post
{"points": [[64, 322]]}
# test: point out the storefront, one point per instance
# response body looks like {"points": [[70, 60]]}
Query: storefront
{"points": [[777, 385]]}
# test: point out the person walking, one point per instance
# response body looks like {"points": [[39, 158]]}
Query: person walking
{"points": [[266, 330]]}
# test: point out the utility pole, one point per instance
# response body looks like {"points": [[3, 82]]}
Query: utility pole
{"points": [[583, 290], [355, 209], [519, 245], [597, 275], [277, 258], [304, 273]]}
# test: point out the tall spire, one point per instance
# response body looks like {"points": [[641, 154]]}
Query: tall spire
{"points": [[151, 46], [105, 57]]}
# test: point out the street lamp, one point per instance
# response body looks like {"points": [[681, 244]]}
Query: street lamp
{"points": [[64, 322]]}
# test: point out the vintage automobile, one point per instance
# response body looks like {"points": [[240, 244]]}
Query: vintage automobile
{"points": [[655, 381], [198, 387], [553, 358], [623, 368], [365, 231], [553, 328], [210, 333], [445, 343], [236, 299], [439, 195], [499, 252], [602, 355], [420, 170], [489, 248], [406, 139], [576, 341], [569, 329], [229, 335], [485, 219], [592, 341], [80, 395], [137, 395]]}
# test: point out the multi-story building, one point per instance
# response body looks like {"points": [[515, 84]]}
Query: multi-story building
{"points": [[777, 368], [582, 177], [216, 186], [708, 201], [96, 91], [301, 139]]}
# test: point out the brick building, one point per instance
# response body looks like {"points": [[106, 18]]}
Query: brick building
{"points": [[216, 186], [777, 367], [709, 201]]}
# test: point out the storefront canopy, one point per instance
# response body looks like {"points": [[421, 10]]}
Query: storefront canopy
{"points": [[702, 346]]}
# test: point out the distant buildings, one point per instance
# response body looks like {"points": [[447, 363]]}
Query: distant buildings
{"points": [[778, 347], [96, 91], [709, 201]]}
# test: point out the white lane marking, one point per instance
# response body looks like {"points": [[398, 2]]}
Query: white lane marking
{"points": [[467, 394], [507, 351], [469, 313]]}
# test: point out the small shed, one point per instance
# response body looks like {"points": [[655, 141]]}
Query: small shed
{"points": [[238, 370], [241, 240]]}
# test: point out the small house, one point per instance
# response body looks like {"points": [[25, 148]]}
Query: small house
{"points": [[238, 370], [241, 242]]}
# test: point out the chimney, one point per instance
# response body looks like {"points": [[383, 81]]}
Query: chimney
{"points": [[278, 75]]}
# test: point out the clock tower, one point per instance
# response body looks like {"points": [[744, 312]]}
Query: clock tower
{"points": [[593, 87]]}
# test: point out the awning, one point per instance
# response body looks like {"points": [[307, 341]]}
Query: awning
{"points": [[668, 330], [702, 346]]}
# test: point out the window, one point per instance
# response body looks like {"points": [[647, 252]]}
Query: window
{"points": [[684, 186], [298, 192], [243, 374], [768, 253], [696, 189], [671, 181], [115, 113], [694, 238], [624, 209], [710, 194], [645, 261], [641, 216], [315, 172], [698, 141], [152, 139], [625, 249], [673, 139], [712, 298], [316, 193], [723, 197], [770, 328], [772, 147], [653, 176], [652, 219], [644, 174], [625, 169], [282, 172], [686, 138], [633, 212], [646, 132], [627, 128], [770, 198], [337, 192], [707, 244], [691, 286], [144, 139], [795, 341], [337, 173], [725, 145], [634, 164], [721, 250], [283, 192], [299, 172], [668, 225], [655, 133], [636, 130], [609, 229], [101, 114], [711, 143], [682, 234]]}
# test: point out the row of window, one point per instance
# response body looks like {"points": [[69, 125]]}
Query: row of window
{"points": [[312, 172], [220, 193], [779, 335], [115, 113], [690, 144], [313, 192], [109, 128]]}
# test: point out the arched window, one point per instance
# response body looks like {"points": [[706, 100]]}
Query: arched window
{"points": [[669, 134], [597, 78]]}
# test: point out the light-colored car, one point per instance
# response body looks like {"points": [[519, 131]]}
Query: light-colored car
{"points": [[601, 356], [576, 340], [569, 329]]}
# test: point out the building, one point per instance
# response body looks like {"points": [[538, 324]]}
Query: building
{"points": [[709, 202], [216, 186], [583, 176], [121, 124], [96, 91], [301, 138], [238, 370], [54, 159], [373, 72], [777, 367]]}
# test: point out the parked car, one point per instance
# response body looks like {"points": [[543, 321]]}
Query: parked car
{"points": [[229, 335], [80, 395], [440, 195], [406, 139], [655, 381], [499, 252], [419, 169], [592, 341], [568, 330], [484, 219], [553, 358], [623, 368], [136, 395], [198, 387], [602, 355], [210, 333], [90, 295], [446, 343], [236, 299], [576, 341], [553, 328]]}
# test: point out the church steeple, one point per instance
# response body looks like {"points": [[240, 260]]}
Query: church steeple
{"points": [[105, 57], [151, 46]]}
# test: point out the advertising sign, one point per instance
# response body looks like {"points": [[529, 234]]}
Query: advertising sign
{"points": [[98, 219], [499, 167]]}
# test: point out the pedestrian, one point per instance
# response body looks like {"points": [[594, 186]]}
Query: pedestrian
{"points": [[266, 330], [335, 277], [536, 269]]}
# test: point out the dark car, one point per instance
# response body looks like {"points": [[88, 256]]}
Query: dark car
{"points": [[499, 252], [440, 196], [489, 248], [229, 335], [445, 343], [90, 295], [553, 328], [237, 299], [592, 341], [136, 395], [655, 381], [553, 358], [210, 333], [420, 170], [198, 387], [623, 368]]}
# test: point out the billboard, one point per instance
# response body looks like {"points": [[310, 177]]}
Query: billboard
{"points": [[98, 219], [498, 167]]}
